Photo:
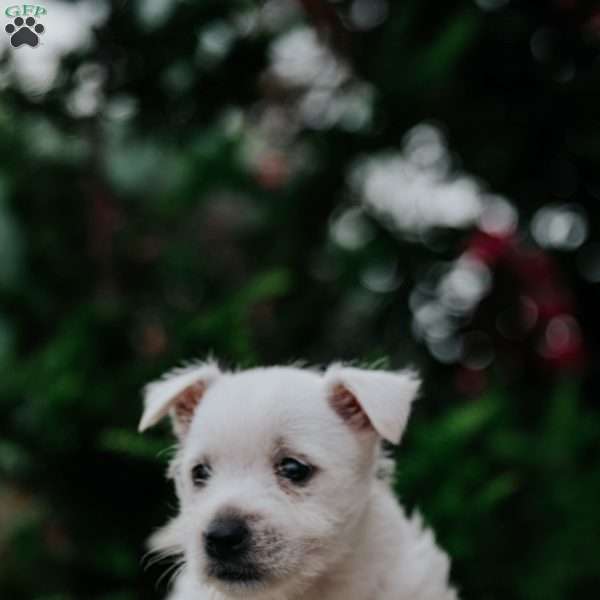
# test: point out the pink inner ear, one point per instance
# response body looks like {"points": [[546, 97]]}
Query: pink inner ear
{"points": [[185, 405], [345, 404]]}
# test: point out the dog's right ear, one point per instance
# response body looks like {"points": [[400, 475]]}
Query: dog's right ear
{"points": [[178, 392], [366, 400]]}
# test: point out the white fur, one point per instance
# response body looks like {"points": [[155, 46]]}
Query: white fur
{"points": [[342, 536]]}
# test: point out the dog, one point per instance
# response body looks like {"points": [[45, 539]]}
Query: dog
{"points": [[278, 472]]}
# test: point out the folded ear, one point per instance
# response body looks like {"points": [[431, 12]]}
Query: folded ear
{"points": [[367, 399], [178, 392]]}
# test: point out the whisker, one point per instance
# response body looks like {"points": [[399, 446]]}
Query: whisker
{"points": [[168, 451], [176, 575], [152, 557], [170, 570], [155, 559]]}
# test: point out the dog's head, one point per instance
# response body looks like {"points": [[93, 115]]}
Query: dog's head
{"points": [[274, 467]]}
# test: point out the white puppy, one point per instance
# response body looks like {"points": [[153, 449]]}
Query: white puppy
{"points": [[281, 498]]}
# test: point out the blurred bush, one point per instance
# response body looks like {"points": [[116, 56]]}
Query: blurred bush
{"points": [[267, 181]]}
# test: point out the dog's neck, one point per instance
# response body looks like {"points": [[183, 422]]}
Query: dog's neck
{"points": [[347, 577]]}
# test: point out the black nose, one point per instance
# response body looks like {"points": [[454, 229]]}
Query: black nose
{"points": [[227, 538]]}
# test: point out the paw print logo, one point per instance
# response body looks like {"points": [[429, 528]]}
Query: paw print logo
{"points": [[23, 31]]}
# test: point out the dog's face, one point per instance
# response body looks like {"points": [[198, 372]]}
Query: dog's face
{"points": [[274, 468]]}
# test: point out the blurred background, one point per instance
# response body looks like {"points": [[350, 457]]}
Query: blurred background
{"points": [[387, 182]]}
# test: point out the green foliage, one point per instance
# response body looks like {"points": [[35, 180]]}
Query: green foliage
{"points": [[503, 494]]}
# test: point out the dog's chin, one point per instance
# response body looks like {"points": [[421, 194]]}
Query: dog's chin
{"points": [[236, 580]]}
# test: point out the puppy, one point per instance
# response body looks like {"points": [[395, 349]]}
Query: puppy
{"points": [[278, 475]]}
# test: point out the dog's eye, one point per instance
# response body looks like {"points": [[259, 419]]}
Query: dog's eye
{"points": [[200, 474], [294, 470]]}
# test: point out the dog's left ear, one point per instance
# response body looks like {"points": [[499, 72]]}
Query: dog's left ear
{"points": [[178, 393], [368, 399]]}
